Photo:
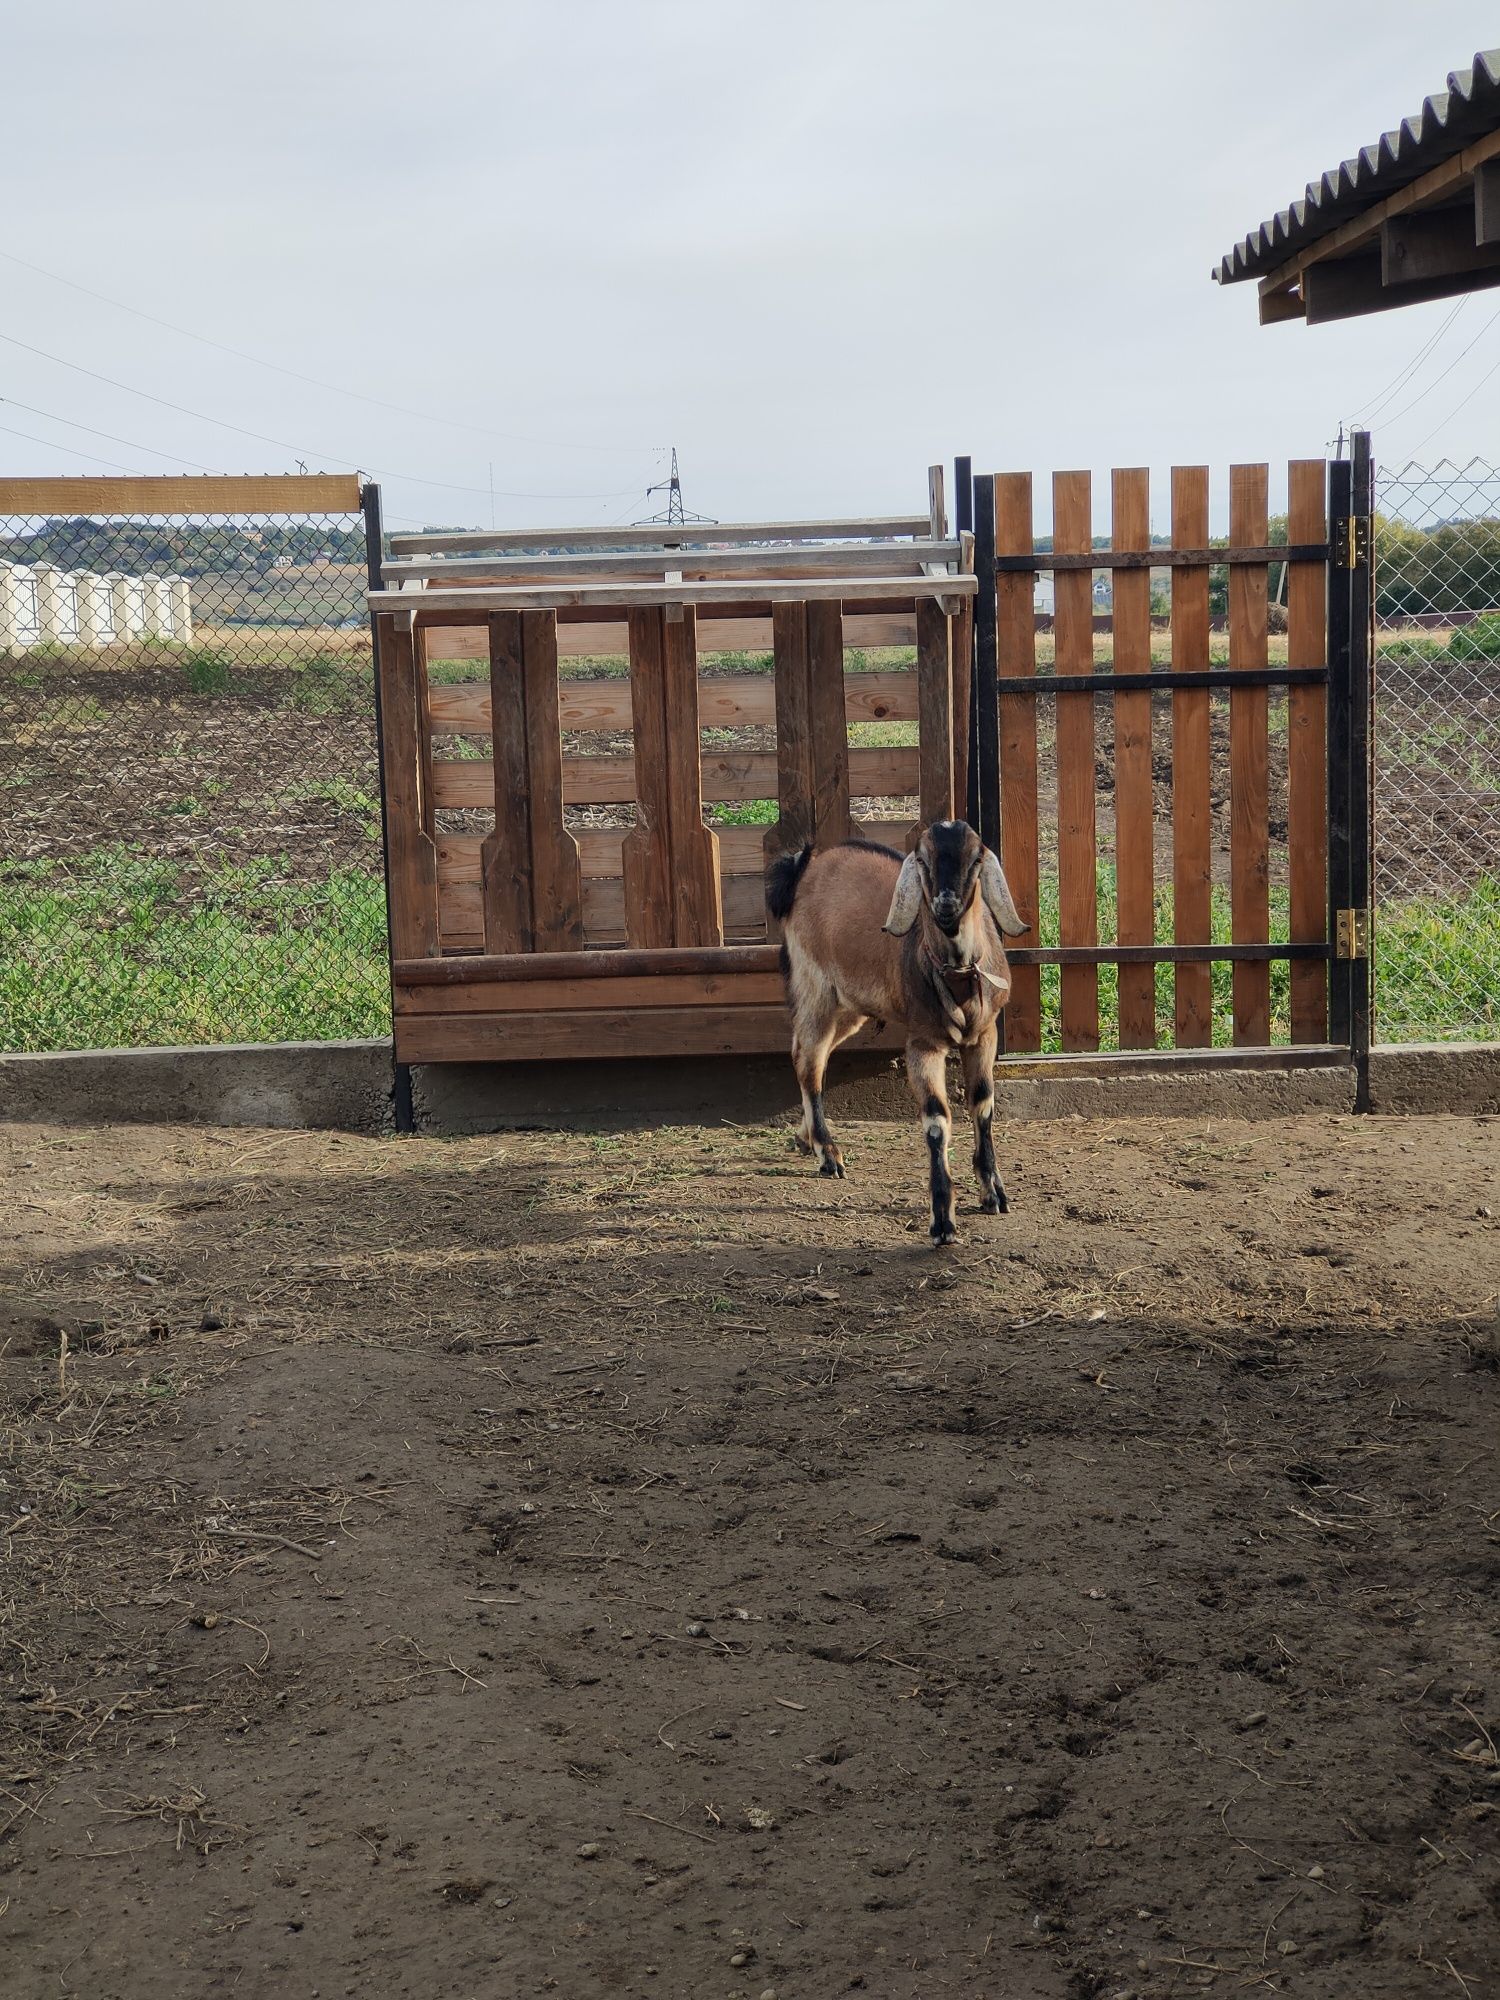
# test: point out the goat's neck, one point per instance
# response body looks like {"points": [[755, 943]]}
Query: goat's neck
{"points": [[959, 952]]}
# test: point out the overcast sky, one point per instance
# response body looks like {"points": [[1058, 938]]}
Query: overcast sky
{"points": [[815, 245]]}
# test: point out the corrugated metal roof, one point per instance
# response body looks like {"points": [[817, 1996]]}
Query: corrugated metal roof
{"points": [[1449, 120]]}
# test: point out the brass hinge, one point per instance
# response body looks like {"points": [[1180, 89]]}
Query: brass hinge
{"points": [[1351, 541], [1352, 934]]}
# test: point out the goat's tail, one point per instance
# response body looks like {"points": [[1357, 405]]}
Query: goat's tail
{"points": [[782, 877]]}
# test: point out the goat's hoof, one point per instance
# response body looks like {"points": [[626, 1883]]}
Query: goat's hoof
{"points": [[995, 1204], [942, 1235], [801, 1141], [831, 1168]]}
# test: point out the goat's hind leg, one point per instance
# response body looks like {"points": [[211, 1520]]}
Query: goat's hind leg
{"points": [[927, 1071], [813, 1042], [979, 1088]]}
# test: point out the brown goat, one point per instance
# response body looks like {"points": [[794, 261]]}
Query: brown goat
{"points": [[868, 935]]}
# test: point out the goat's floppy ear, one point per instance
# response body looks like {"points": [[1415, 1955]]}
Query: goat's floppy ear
{"points": [[996, 892], [906, 899]]}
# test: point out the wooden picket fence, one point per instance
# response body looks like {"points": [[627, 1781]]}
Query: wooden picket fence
{"points": [[558, 890]]}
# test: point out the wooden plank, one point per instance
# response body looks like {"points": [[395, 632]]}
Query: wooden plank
{"points": [[1249, 775], [716, 590], [578, 965], [1487, 202], [462, 923], [935, 714], [1192, 819], [1077, 839], [724, 702], [1015, 624], [647, 863], [610, 639], [1353, 287], [505, 854], [596, 1032], [1439, 243], [459, 855], [1307, 750], [874, 527], [669, 989], [884, 559], [1135, 826], [556, 902], [875, 772], [963, 687], [830, 735], [937, 503], [412, 857], [697, 908], [795, 779], [211, 493]]}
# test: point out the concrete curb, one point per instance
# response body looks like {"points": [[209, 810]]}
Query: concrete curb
{"points": [[347, 1086]]}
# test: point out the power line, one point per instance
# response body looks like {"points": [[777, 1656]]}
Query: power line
{"points": [[297, 451], [1457, 407], [73, 424], [1368, 410], [313, 381], [51, 445], [1423, 394]]}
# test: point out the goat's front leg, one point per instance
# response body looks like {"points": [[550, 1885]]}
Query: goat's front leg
{"points": [[979, 1088], [926, 1070]]}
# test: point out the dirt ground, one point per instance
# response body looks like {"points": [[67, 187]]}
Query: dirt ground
{"points": [[634, 1566]]}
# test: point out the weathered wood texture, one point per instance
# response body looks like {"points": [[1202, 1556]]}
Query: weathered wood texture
{"points": [[1192, 817], [812, 741], [532, 891], [411, 856], [727, 701], [1249, 763], [1135, 824], [935, 712], [1015, 625], [1077, 837], [211, 493], [1307, 749]]}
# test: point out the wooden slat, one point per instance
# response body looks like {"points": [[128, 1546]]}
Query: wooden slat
{"points": [[1134, 817], [905, 559], [963, 672], [872, 528], [698, 914], [556, 903], [1249, 778], [579, 965], [600, 849], [1016, 638], [875, 772], [1307, 750], [1192, 823], [461, 919], [830, 735], [291, 493], [1077, 842], [613, 596], [412, 860], [603, 1032], [794, 740], [647, 867], [505, 855], [727, 701], [668, 989], [610, 639], [935, 716]]}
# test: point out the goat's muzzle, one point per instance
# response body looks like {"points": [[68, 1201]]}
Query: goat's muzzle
{"points": [[947, 914]]}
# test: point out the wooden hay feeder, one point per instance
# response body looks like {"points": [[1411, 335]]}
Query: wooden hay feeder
{"points": [[555, 887]]}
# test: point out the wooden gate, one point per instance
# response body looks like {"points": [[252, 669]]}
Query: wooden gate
{"points": [[555, 887], [1231, 834]]}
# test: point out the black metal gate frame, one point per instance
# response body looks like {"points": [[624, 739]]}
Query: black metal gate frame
{"points": [[1348, 556]]}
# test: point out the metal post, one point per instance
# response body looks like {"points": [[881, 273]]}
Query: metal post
{"points": [[1361, 665], [401, 1100], [1339, 728], [984, 766], [963, 494]]}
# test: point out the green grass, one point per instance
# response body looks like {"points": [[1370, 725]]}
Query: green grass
{"points": [[118, 950]]}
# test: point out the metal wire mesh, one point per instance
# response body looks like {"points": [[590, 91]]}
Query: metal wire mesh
{"points": [[189, 799], [1437, 753]]}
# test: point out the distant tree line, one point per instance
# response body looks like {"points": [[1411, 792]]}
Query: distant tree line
{"points": [[137, 548]]}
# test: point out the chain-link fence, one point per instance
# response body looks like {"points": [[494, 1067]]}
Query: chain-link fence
{"points": [[1437, 753], [189, 798]]}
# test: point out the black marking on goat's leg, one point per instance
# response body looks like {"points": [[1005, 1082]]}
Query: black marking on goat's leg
{"points": [[810, 1061], [936, 1123], [980, 1089], [830, 1159]]}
